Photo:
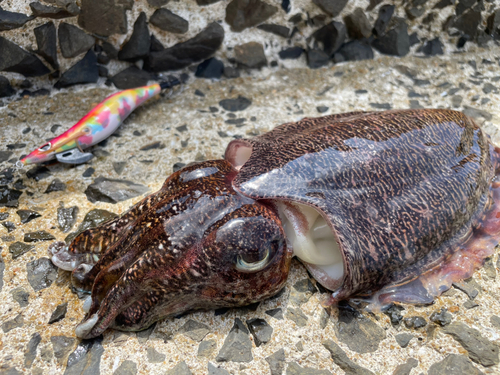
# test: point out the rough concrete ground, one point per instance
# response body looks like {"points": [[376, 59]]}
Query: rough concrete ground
{"points": [[462, 81]]}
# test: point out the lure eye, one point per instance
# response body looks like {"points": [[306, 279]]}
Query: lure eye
{"points": [[253, 266], [45, 147], [86, 130]]}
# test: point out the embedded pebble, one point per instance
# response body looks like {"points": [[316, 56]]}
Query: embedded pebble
{"points": [[19, 248], [38, 236], [343, 361], [295, 369], [467, 289], [195, 330], [214, 370], [86, 358], [357, 24], [84, 71], [394, 313], [260, 330], [73, 41], [27, 215], [166, 20], [275, 313], [46, 41], [405, 368], [237, 346], [47, 11], [137, 47], [2, 269], [15, 59], [30, 352], [403, 339], [279, 30], [154, 356], [21, 296], [237, 104], [331, 7], [207, 348], [210, 68], [9, 225], [415, 322], [276, 362], [127, 367], [55, 185], [9, 197], [112, 191], [12, 20], [454, 364], [9, 325], [104, 18], [250, 55], [41, 273], [395, 42], [291, 53], [331, 36], [297, 316], [59, 313], [180, 369], [241, 14], [62, 346], [66, 217]]}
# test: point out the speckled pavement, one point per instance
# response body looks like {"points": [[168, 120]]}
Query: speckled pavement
{"points": [[191, 125]]}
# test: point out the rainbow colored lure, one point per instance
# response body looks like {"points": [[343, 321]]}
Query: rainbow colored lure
{"points": [[95, 126]]}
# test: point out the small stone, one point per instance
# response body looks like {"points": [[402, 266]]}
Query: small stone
{"points": [[468, 23], [357, 24], [260, 330], [299, 346], [2, 269], [495, 321], [154, 356], [73, 41], [454, 364], [414, 12], [213, 370], [343, 361], [443, 4], [4, 215], [297, 316], [295, 369], [356, 51], [493, 23], [331, 7], [489, 269], [489, 88], [127, 367], [113, 191], [84, 71], [9, 325], [241, 14], [237, 346], [155, 44], [467, 289], [279, 30], [210, 68], [331, 36], [41, 273], [27, 215], [206, 348], [384, 16], [12, 20], [47, 11], [15, 59], [131, 77], [9, 197], [158, 3], [194, 330], [66, 217], [86, 358], [480, 349], [322, 108], [38, 236], [119, 166], [21, 296], [316, 58], [238, 104], [105, 17], [250, 55], [415, 322], [395, 42], [180, 369], [166, 20], [137, 47], [463, 5], [470, 304], [59, 313], [276, 362], [275, 313], [62, 345], [5, 90], [384, 106], [9, 225], [405, 368], [456, 100], [477, 114], [18, 248], [55, 185], [291, 53], [442, 317], [46, 41], [432, 47], [30, 353], [403, 339]]}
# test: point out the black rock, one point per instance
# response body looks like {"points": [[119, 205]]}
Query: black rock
{"points": [[291, 53], [395, 42], [442, 317], [30, 353], [168, 21], [16, 146], [73, 41], [463, 5], [279, 30], [237, 346], [155, 44], [415, 322], [131, 77], [84, 71], [432, 47], [194, 330], [9, 225], [104, 17], [414, 12], [4, 215], [199, 48], [468, 23], [357, 24], [38, 173], [55, 185], [5, 90], [113, 191], [322, 108], [153, 146], [238, 104], [137, 47], [384, 16], [59, 313], [403, 339], [356, 50], [15, 59], [47, 43], [9, 197], [41, 273], [394, 313], [110, 50], [86, 359], [260, 330], [331, 7], [27, 215], [206, 2], [316, 58], [285, 5], [493, 23], [414, 39], [158, 3], [47, 11], [331, 36], [66, 217], [443, 4], [38, 236], [276, 362], [241, 14], [18, 248], [454, 364], [62, 345], [210, 68], [12, 20], [305, 286], [250, 55], [343, 361]]}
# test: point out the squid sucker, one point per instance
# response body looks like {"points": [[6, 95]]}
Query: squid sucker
{"points": [[389, 206]]}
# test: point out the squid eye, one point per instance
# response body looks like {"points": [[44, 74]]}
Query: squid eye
{"points": [[45, 147], [253, 266]]}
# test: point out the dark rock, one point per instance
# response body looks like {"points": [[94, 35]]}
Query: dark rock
{"points": [[343, 361], [213, 370], [238, 104], [381, 105], [495, 321], [403, 339], [475, 113], [55, 185], [384, 16], [442, 317], [443, 4], [155, 44], [38, 236], [493, 24], [297, 316], [110, 50], [113, 191], [18, 248], [154, 356], [480, 349], [73, 41], [199, 93], [489, 88], [260, 330], [127, 367], [131, 77], [168, 21], [316, 58], [86, 359], [470, 304], [489, 269], [5, 90], [66, 217], [432, 47], [12, 20], [291, 53], [30, 353], [206, 2], [105, 17], [356, 51], [153, 146], [194, 330], [180, 369], [414, 12], [62, 345], [414, 39], [463, 5], [331, 36], [119, 166], [21, 296], [47, 11], [2, 268], [358, 25], [15, 59], [199, 48], [158, 3], [206, 348], [331, 7], [285, 5], [454, 364], [47, 43], [373, 4], [27, 215], [41, 273], [467, 288], [295, 369], [9, 325], [9, 225], [405, 368], [137, 47], [59, 313], [178, 166], [237, 346], [4, 215], [415, 322], [241, 14], [250, 55], [395, 42], [468, 23], [211, 68], [279, 30], [84, 71], [276, 362], [275, 313]]}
